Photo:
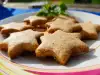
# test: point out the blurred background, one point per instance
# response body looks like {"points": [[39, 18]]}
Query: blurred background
{"points": [[92, 5], [15, 7], [67, 1]]}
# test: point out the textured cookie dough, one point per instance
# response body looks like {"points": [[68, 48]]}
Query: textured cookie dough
{"points": [[68, 18], [61, 46], [66, 25], [17, 42], [6, 29], [89, 30], [36, 21]]}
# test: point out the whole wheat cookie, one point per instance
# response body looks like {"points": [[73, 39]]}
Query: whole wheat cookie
{"points": [[36, 21], [6, 29], [68, 18], [61, 23], [89, 30], [17, 42], [61, 46]]}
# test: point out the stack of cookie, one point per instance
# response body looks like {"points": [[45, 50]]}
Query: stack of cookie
{"points": [[59, 37]]}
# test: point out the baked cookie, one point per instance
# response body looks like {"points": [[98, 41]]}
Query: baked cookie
{"points": [[89, 30], [17, 42], [36, 21], [66, 25], [6, 29], [68, 18], [61, 46]]}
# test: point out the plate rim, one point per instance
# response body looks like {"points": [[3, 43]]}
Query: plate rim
{"points": [[37, 11]]}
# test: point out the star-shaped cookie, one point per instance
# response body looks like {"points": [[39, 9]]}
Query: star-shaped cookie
{"points": [[17, 42], [6, 29], [89, 30], [68, 17], [35, 20], [66, 25], [61, 46]]}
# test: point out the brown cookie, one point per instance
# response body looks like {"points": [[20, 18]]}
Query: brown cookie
{"points": [[66, 25], [36, 21], [61, 45], [17, 42], [68, 18], [90, 30], [6, 29]]}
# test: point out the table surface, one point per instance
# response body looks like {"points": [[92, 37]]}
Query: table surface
{"points": [[89, 7]]}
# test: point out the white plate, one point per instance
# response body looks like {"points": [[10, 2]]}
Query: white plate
{"points": [[89, 59]]}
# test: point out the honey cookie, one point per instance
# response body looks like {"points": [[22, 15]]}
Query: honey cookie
{"points": [[89, 30], [36, 21], [68, 18], [6, 29], [66, 25], [61, 46], [17, 42]]}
